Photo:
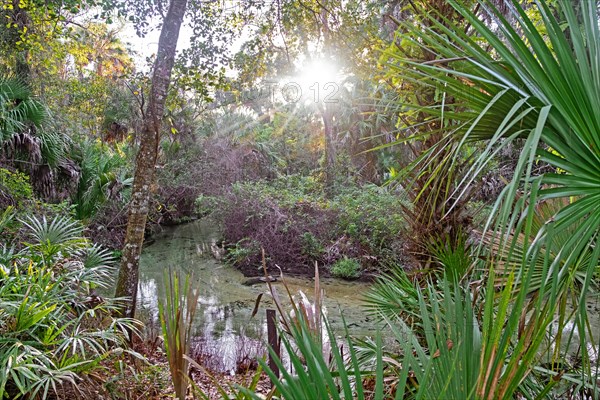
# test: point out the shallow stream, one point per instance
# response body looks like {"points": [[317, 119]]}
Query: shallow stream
{"points": [[224, 327], [225, 331]]}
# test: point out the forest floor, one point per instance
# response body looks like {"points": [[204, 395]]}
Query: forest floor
{"points": [[145, 375]]}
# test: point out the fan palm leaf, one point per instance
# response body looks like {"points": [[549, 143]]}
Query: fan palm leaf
{"points": [[509, 78], [98, 167], [51, 238], [17, 108]]}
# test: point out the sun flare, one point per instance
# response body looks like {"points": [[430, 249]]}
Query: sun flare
{"points": [[319, 72], [316, 81]]}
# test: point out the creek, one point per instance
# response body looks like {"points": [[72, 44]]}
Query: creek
{"points": [[225, 333]]}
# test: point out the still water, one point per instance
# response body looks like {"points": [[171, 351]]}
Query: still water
{"points": [[223, 324]]}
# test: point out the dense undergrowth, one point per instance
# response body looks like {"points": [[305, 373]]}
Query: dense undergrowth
{"points": [[56, 330], [297, 225]]}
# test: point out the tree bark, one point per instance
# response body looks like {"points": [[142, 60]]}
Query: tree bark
{"points": [[330, 149], [127, 284], [21, 19], [326, 112]]}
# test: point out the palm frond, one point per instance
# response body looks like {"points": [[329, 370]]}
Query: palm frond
{"points": [[60, 230], [540, 83], [17, 108]]}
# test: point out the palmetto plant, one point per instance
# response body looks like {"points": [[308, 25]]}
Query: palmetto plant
{"points": [[55, 238], [318, 377], [53, 327], [510, 78], [24, 140], [98, 171], [17, 108]]}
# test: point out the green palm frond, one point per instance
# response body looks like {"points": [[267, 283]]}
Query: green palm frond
{"points": [[98, 170], [449, 364], [393, 295], [50, 239], [53, 146], [315, 376], [527, 81], [97, 257], [509, 78], [17, 108], [60, 230]]}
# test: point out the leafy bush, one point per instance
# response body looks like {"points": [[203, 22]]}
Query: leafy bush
{"points": [[54, 327], [347, 268], [205, 205], [15, 188], [242, 251], [311, 246], [372, 217], [16, 195], [291, 188]]}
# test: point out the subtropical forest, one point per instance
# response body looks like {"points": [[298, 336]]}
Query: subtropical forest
{"points": [[299, 199]]}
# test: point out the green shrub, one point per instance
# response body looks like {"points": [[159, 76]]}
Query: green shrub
{"points": [[15, 188], [371, 215], [205, 205], [287, 190], [242, 251], [311, 246], [293, 187], [346, 268]]}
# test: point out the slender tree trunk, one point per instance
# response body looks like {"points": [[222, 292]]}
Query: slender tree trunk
{"points": [[22, 21], [146, 158], [326, 112], [330, 149]]}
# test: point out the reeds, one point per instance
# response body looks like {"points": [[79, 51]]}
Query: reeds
{"points": [[176, 317]]}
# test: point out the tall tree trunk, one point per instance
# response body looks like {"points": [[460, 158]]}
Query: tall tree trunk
{"points": [[330, 149], [431, 187], [325, 109], [146, 158]]}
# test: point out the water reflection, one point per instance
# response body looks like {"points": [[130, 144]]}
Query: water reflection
{"points": [[224, 328], [225, 332]]}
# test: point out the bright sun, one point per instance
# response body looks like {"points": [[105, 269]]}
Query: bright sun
{"points": [[320, 72], [317, 81]]}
